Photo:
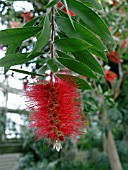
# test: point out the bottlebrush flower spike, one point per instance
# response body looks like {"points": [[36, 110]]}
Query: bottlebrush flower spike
{"points": [[113, 56], [56, 111], [61, 5], [110, 76]]}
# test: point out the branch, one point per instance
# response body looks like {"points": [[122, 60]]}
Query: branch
{"points": [[3, 109], [121, 82], [6, 88]]}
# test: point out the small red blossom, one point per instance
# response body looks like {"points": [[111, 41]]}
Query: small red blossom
{"points": [[56, 111], [110, 76], [124, 43], [61, 5], [114, 56], [27, 16]]}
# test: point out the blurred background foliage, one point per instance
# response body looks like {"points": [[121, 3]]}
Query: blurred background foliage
{"points": [[105, 107]]}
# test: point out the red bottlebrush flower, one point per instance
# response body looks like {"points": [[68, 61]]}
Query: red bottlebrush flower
{"points": [[56, 111], [27, 16], [110, 76], [113, 56], [60, 4], [123, 44]]}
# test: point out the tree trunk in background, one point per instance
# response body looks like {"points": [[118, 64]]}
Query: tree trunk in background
{"points": [[110, 147], [109, 144]]}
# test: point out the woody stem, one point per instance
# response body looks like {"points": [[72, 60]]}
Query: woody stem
{"points": [[52, 40]]}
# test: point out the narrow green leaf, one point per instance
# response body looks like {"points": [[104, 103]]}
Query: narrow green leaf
{"points": [[53, 65], [13, 47], [14, 35], [44, 36], [16, 59], [93, 4], [43, 69], [72, 44], [63, 55], [32, 22], [41, 24], [91, 19], [80, 32], [70, 18], [98, 54], [61, 35], [77, 67], [82, 84], [61, 13], [11, 50], [26, 72], [86, 58], [52, 3]]}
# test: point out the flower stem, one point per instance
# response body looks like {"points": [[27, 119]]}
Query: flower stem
{"points": [[52, 41]]}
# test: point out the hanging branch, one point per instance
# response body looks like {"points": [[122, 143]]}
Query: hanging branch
{"points": [[52, 40]]}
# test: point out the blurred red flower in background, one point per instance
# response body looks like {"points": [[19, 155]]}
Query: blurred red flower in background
{"points": [[27, 16], [60, 4], [124, 43], [110, 76], [56, 110], [113, 56]]}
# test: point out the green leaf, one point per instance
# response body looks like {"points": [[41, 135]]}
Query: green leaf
{"points": [[43, 69], [79, 32], [31, 22], [86, 58], [44, 36], [41, 24], [77, 67], [63, 55], [61, 13], [72, 44], [26, 72], [61, 35], [53, 65], [126, 56], [82, 84], [16, 59], [93, 4], [52, 3], [13, 47], [14, 35], [70, 18], [91, 19], [11, 50], [98, 54]]}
